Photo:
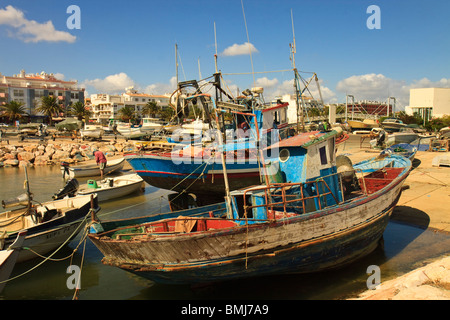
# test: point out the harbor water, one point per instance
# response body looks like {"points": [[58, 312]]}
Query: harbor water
{"points": [[403, 248]]}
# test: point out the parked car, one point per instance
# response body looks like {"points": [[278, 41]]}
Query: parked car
{"points": [[3, 125]]}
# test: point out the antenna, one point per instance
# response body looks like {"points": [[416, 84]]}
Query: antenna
{"points": [[215, 43], [176, 61], [248, 42], [293, 47]]}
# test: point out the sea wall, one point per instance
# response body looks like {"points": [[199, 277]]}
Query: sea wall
{"points": [[35, 154]]}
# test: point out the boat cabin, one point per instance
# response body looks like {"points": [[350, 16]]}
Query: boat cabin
{"points": [[300, 177]]}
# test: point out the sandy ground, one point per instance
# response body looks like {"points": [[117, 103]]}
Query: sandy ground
{"points": [[427, 190]]}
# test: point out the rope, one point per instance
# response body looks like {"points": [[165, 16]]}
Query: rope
{"points": [[48, 258]]}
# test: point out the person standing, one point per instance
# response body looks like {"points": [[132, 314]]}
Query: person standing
{"points": [[101, 162]]}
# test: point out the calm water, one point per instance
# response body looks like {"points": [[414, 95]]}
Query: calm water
{"points": [[405, 248]]}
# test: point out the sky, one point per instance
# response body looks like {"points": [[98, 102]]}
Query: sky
{"points": [[354, 50]]}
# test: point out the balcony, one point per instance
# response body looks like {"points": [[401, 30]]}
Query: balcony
{"points": [[3, 95]]}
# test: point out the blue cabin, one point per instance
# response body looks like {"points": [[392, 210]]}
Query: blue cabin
{"points": [[300, 177]]}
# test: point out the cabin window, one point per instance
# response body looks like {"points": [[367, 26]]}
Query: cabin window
{"points": [[323, 155], [284, 155]]}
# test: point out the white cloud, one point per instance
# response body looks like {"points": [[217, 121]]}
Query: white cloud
{"points": [[266, 83], [379, 87], [240, 49], [162, 88], [111, 84], [30, 30]]}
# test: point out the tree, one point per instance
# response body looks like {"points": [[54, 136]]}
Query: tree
{"points": [[14, 110], [151, 108], [49, 107], [127, 113], [78, 110]]}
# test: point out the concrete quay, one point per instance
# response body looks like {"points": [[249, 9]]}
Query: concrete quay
{"points": [[425, 202]]}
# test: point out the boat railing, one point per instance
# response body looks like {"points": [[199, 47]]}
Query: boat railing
{"points": [[318, 193]]}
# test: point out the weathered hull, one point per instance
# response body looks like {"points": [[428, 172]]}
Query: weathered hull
{"points": [[48, 236], [199, 177], [309, 242], [315, 255]]}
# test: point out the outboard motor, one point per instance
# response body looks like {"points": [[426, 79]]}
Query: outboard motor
{"points": [[70, 189], [347, 173]]}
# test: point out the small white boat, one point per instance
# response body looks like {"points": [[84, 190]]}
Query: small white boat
{"points": [[132, 132], [48, 224], [195, 127], [151, 124], [111, 188], [8, 258], [91, 169], [403, 136], [92, 132]]}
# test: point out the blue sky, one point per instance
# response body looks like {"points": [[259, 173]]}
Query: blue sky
{"points": [[123, 43]]}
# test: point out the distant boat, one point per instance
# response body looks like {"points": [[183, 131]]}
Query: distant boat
{"points": [[91, 169], [151, 124], [392, 124], [402, 149], [308, 216], [404, 135], [8, 258], [367, 124], [112, 188], [91, 131]]}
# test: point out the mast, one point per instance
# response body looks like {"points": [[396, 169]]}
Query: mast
{"points": [[176, 61], [296, 82]]}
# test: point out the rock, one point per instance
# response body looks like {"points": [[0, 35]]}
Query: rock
{"points": [[11, 162], [30, 148], [25, 156], [60, 154], [423, 292], [11, 156], [41, 160], [25, 163]]}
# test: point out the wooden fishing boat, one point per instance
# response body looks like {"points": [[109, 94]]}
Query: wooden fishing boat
{"points": [[310, 215], [48, 224], [8, 258], [403, 149], [112, 188], [91, 169]]}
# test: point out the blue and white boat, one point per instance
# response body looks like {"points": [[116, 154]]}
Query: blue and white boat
{"points": [[193, 165], [310, 214]]}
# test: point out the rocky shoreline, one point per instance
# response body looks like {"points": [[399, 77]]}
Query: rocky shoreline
{"points": [[41, 154]]}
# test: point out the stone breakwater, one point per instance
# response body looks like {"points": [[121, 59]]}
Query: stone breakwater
{"points": [[35, 154]]}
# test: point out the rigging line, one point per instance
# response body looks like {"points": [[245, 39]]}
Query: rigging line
{"points": [[253, 72], [248, 41], [182, 68], [48, 258]]}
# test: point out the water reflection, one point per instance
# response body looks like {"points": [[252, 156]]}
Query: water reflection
{"points": [[404, 248]]}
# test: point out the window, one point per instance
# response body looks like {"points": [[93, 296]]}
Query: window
{"points": [[284, 155], [39, 93], [74, 95], [18, 93], [323, 155]]}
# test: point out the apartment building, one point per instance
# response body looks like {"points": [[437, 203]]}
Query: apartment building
{"points": [[106, 106], [29, 88]]}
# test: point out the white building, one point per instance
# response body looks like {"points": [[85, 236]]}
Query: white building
{"points": [[429, 102], [106, 106], [292, 109], [29, 88]]}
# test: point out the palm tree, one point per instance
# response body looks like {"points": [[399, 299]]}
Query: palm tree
{"points": [[127, 113], [50, 107], [151, 108], [77, 109], [14, 110]]}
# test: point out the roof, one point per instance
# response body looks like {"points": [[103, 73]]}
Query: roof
{"points": [[305, 139]]}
